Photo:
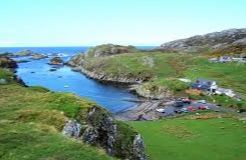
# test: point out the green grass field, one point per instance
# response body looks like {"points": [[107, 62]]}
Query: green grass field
{"points": [[31, 120], [186, 139]]}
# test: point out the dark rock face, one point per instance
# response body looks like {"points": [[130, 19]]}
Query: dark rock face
{"points": [[102, 133], [102, 130], [19, 80], [56, 61], [207, 43], [6, 62], [90, 135]]}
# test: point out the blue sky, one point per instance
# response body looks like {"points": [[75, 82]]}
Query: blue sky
{"points": [[93, 22]]}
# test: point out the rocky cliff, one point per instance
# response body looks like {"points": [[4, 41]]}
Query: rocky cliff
{"points": [[6, 62], [227, 41], [10, 65], [99, 128]]}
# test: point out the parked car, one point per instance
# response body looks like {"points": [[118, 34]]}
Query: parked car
{"points": [[178, 111], [202, 107], [201, 101], [191, 109], [207, 108], [160, 110], [186, 101], [178, 104], [184, 110]]}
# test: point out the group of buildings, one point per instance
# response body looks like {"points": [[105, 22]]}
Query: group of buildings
{"points": [[226, 59], [211, 87]]}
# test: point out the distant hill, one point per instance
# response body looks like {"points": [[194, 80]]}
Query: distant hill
{"points": [[109, 49], [232, 41]]}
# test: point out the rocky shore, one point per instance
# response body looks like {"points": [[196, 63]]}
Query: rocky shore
{"points": [[80, 63], [143, 111], [104, 78]]}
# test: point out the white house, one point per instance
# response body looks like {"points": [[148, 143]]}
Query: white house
{"points": [[227, 92]]}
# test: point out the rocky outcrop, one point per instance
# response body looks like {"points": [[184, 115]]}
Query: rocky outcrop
{"points": [[106, 78], [6, 54], [135, 83], [56, 61], [95, 68], [72, 129], [38, 56], [151, 92], [9, 64], [212, 42], [24, 53], [138, 147], [6, 62], [80, 63], [100, 129], [109, 49]]}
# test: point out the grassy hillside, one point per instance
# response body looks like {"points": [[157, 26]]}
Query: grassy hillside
{"points": [[31, 120], [188, 138], [162, 70], [159, 67]]}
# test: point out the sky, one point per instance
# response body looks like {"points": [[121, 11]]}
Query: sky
{"points": [[127, 22]]}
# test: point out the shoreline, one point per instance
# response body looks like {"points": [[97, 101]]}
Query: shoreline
{"points": [[142, 111], [145, 109]]}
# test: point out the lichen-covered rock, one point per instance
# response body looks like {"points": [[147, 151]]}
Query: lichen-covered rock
{"points": [[138, 148], [72, 129]]}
